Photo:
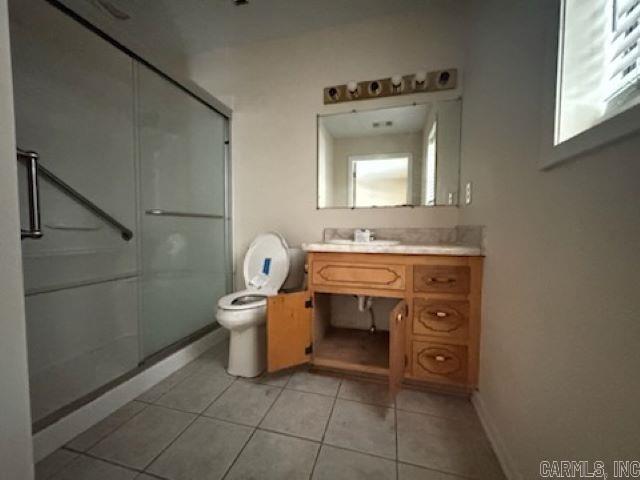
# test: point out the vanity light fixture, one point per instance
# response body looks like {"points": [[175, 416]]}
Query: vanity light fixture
{"points": [[419, 82], [397, 83], [374, 88], [353, 89], [443, 78]]}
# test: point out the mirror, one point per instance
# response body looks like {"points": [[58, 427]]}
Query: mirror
{"points": [[390, 157]]}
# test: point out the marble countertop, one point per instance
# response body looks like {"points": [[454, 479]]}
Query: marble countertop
{"points": [[401, 249]]}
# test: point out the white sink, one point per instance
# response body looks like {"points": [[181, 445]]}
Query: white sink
{"points": [[377, 243]]}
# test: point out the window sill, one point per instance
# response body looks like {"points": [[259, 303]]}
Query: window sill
{"points": [[609, 131]]}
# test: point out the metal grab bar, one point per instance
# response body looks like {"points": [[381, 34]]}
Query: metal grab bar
{"points": [[169, 213], [34, 230], [126, 233]]}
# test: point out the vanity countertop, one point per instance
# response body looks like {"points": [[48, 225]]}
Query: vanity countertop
{"points": [[401, 249]]}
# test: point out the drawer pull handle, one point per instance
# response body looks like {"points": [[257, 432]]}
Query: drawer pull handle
{"points": [[441, 280], [439, 314]]}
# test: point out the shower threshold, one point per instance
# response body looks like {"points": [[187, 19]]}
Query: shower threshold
{"points": [[145, 364]]}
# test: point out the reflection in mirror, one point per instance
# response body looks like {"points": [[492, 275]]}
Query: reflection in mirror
{"points": [[390, 157]]}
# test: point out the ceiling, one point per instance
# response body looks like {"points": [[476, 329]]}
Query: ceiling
{"points": [[408, 119], [190, 27]]}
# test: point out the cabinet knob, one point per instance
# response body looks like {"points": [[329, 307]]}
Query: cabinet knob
{"points": [[439, 314], [399, 318], [440, 358]]}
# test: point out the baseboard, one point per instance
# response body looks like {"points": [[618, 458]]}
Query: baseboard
{"points": [[60, 433], [497, 442]]}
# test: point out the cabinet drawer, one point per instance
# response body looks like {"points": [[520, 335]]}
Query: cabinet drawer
{"points": [[435, 361], [442, 318], [441, 279], [389, 277]]}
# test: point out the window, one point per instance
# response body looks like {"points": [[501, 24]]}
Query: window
{"points": [[379, 180], [598, 71]]}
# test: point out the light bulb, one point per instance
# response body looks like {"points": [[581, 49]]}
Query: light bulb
{"points": [[352, 86], [421, 76], [396, 80]]}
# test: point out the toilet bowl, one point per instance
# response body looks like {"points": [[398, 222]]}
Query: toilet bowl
{"points": [[267, 264]]}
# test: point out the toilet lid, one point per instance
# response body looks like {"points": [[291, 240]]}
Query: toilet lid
{"points": [[266, 263]]}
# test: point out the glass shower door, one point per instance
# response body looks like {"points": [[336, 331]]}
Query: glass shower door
{"points": [[185, 261], [73, 101]]}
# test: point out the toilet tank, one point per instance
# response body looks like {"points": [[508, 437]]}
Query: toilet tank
{"points": [[295, 279]]}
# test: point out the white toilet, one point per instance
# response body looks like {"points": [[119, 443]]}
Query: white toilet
{"points": [[267, 264]]}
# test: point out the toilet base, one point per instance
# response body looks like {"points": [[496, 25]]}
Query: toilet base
{"points": [[247, 352]]}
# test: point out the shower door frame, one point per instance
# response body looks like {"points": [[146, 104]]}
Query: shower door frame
{"points": [[149, 359], [151, 61]]}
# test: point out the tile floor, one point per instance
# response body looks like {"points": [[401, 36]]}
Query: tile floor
{"points": [[202, 424]]}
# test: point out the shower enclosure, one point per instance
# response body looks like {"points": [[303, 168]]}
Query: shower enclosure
{"points": [[126, 223]]}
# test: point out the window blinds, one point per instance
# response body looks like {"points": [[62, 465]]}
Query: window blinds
{"points": [[624, 51]]}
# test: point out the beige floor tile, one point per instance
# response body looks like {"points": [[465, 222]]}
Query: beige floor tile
{"points": [[270, 456], [195, 393], [212, 362], [361, 427], [204, 451], [244, 402], [162, 387], [87, 468], [276, 379], [52, 464], [445, 445], [446, 406], [338, 464], [94, 434], [410, 472], [314, 383], [142, 438], [300, 414], [366, 392]]}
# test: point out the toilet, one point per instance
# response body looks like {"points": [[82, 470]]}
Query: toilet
{"points": [[269, 265]]}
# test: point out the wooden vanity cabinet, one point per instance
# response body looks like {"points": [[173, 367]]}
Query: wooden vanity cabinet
{"points": [[434, 329]]}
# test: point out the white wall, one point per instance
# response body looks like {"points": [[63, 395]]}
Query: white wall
{"points": [[561, 330], [275, 90], [15, 421]]}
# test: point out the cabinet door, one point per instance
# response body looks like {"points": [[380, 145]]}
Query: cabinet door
{"points": [[289, 318], [397, 329]]}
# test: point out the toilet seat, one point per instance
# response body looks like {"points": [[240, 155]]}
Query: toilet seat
{"points": [[243, 300]]}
